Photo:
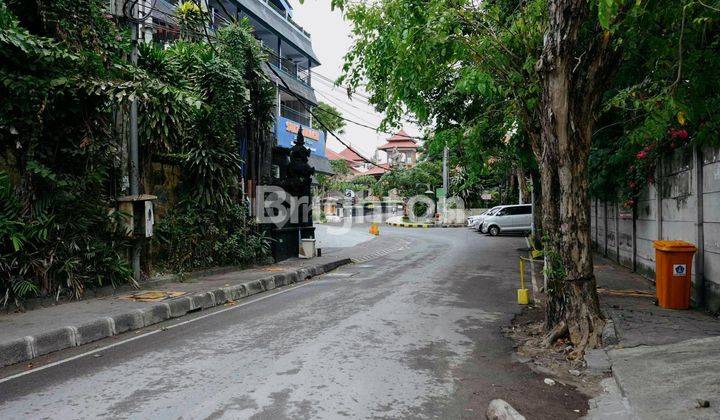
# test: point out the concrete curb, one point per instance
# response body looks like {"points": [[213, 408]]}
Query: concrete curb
{"points": [[30, 347], [422, 225]]}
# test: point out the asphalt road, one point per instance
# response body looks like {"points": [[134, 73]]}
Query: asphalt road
{"points": [[413, 334]]}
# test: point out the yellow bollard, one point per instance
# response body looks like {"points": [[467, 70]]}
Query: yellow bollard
{"points": [[523, 294], [374, 229]]}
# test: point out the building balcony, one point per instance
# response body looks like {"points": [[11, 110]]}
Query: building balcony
{"points": [[299, 117], [285, 15], [298, 71], [272, 23]]}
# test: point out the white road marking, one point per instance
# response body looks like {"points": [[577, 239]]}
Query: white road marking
{"points": [[137, 337]]}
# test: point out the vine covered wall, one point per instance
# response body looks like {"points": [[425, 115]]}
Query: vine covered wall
{"points": [[66, 85]]}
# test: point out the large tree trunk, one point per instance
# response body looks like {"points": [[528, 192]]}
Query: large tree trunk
{"points": [[537, 208], [554, 304], [572, 77], [523, 193], [582, 311]]}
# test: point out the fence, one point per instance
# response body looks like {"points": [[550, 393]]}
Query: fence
{"points": [[683, 203]]}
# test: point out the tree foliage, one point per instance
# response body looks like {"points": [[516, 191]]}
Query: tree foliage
{"points": [[329, 118], [66, 84], [479, 90], [620, 82]]}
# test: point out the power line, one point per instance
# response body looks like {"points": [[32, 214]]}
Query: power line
{"points": [[349, 100], [334, 83], [332, 102], [209, 37]]}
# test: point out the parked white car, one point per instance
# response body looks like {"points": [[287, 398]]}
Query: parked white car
{"points": [[517, 218], [474, 222]]}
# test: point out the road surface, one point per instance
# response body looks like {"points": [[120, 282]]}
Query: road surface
{"points": [[412, 334]]}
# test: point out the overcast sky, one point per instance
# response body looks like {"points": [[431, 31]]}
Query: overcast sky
{"points": [[331, 39]]}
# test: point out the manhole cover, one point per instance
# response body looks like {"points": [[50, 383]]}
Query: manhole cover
{"points": [[152, 296]]}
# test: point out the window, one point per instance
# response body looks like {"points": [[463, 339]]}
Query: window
{"points": [[519, 210], [494, 211]]}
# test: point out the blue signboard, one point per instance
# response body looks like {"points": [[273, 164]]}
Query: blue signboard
{"points": [[286, 131]]}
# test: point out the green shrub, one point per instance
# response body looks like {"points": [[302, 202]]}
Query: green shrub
{"points": [[188, 238]]}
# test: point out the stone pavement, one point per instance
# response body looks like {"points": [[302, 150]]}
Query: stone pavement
{"points": [[664, 360], [638, 321], [26, 335]]}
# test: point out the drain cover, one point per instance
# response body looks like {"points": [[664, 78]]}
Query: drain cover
{"points": [[152, 296]]}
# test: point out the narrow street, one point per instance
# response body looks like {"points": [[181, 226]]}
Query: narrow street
{"points": [[412, 334]]}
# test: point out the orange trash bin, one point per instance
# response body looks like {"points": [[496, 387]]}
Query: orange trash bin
{"points": [[673, 267]]}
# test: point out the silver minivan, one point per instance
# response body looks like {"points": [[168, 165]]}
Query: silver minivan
{"points": [[476, 221], [517, 218]]}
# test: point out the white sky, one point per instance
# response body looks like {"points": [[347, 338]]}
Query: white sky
{"points": [[331, 40]]}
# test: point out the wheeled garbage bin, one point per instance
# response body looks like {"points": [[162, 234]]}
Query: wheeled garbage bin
{"points": [[673, 267]]}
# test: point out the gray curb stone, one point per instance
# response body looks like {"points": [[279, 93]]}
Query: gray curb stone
{"points": [[237, 292], [15, 351], [280, 280], [219, 296], [128, 321], [95, 330], [303, 274], [156, 313], [179, 307], [254, 287], [501, 410], [268, 283], [27, 348], [202, 301], [291, 277], [609, 334], [54, 340]]}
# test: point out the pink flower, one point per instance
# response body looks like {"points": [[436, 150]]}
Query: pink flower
{"points": [[641, 154], [680, 134]]}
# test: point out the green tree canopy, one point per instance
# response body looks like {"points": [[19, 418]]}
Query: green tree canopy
{"points": [[329, 118]]}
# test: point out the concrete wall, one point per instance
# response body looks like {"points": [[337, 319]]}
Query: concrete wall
{"points": [[683, 203]]}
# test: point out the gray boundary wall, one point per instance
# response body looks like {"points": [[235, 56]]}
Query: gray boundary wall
{"points": [[688, 208]]}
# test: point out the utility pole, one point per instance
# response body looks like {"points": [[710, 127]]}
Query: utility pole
{"points": [[446, 152], [133, 147]]}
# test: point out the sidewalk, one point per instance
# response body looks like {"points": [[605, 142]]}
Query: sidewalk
{"points": [[26, 335], [664, 360]]}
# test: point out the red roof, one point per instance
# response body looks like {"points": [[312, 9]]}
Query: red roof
{"points": [[378, 170], [400, 140], [401, 136], [333, 155], [351, 155]]}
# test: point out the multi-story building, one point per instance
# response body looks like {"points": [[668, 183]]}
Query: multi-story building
{"points": [[291, 56]]}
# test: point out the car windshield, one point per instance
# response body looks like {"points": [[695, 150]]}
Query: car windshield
{"points": [[493, 210]]}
